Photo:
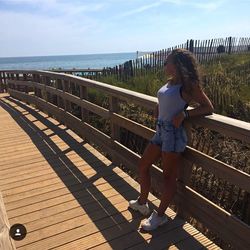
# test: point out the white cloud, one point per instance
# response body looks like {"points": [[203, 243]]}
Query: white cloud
{"points": [[209, 6], [140, 9], [205, 5], [66, 7]]}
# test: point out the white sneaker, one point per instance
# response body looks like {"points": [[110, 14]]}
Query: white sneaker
{"points": [[143, 209], [154, 221]]}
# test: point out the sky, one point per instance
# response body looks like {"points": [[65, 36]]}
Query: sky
{"points": [[60, 27]]}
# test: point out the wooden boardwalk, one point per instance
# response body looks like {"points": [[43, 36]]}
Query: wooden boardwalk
{"points": [[68, 195]]}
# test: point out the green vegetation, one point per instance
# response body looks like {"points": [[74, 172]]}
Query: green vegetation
{"points": [[234, 70], [148, 83], [232, 63], [226, 81]]}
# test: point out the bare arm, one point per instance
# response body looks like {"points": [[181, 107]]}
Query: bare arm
{"points": [[205, 106]]}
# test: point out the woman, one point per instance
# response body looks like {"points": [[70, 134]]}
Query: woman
{"points": [[170, 138]]}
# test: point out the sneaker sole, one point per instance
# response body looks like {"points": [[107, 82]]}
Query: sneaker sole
{"points": [[152, 229], [136, 209]]}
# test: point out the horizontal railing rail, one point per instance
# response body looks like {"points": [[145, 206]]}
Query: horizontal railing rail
{"points": [[53, 92]]}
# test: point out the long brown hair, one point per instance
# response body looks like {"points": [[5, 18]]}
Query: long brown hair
{"points": [[187, 68]]}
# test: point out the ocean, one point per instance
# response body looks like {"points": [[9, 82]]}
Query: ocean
{"points": [[92, 61]]}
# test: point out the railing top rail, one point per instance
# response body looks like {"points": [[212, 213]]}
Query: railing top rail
{"points": [[19, 71], [76, 70], [226, 125], [125, 94]]}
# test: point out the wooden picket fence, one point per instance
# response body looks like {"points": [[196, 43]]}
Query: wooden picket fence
{"points": [[204, 50]]}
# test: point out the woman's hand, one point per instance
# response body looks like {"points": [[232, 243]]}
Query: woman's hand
{"points": [[178, 119]]}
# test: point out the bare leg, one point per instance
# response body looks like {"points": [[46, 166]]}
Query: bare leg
{"points": [[151, 154], [171, 166]]}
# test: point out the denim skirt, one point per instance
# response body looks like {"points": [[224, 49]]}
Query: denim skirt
{"points": [[170, 138]]}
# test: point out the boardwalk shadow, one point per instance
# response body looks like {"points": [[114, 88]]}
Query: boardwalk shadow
{"points": [[100, 201]]}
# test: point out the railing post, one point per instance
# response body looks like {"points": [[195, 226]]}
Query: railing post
{"points": [[1, 83], [44, 91], [4, 82], [66, 103], [34, 79], [57, 96], [26, 88], [191, 45], [115, 130], [17, 86], [230, 45], [84, 96], [185, 172]]}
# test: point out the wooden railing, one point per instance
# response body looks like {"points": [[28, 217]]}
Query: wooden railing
{"points": [[43, 88]]}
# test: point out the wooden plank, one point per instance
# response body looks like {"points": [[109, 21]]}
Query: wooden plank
{"points": [[63, 190], [80, 231], [106, 207], [77, 70], [115, 129], [83, 129], [197, 241], [118, 92], [6, 243], [51, 180], [216, 211], [86, 105], [21, 83], [132, 126], [42, 167], [37, 167], [166, 239], [35, 216], [62, 170], [18, 148], [84, 96], [218, 168], [225, 125], [71, 214], [27, 144], [236, 232], [228, 126], [36, 195], [107, 226], [71, 155], [82, 196], [87, 203], [135, 239]]}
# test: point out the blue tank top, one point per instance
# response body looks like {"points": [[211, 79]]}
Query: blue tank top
{"points": [[170, 101]]}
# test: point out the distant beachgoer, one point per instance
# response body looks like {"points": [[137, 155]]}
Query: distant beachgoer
{"points": [[170, 139]]}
